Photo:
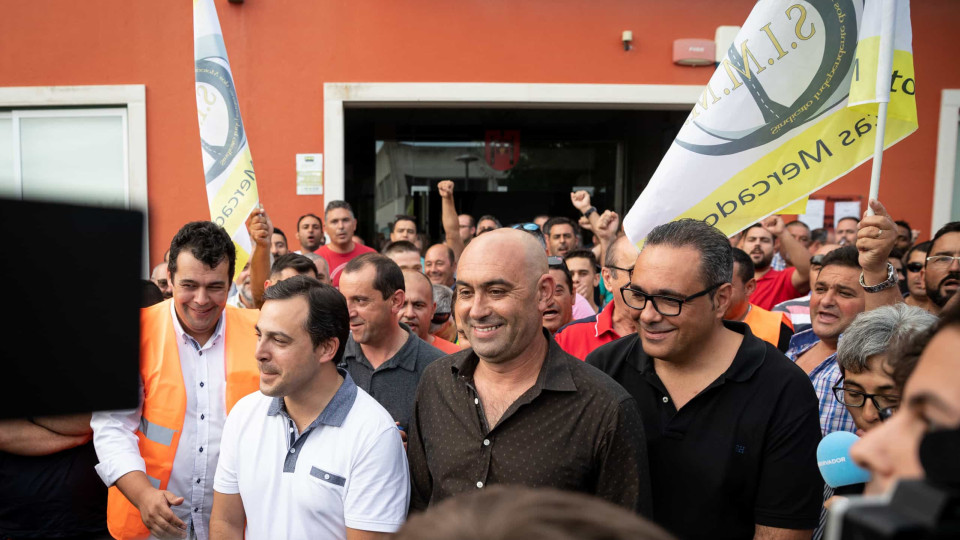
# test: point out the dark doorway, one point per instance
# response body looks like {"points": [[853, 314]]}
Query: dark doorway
{"points": [[511, 163]]}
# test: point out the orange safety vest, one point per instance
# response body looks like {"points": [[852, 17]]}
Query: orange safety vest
{"points": [[766, 324], [165, 399]]}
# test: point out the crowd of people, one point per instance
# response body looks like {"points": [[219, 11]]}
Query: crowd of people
{"points": [[536, 380]]}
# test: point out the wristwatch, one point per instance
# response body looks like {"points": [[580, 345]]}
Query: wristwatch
{"points": [[589, 211], [890, 282]]}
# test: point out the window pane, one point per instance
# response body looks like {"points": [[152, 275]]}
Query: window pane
{"points": [[73, 159], [7, 186]]}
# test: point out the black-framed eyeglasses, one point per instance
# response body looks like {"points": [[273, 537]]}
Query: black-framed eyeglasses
{"points": [[914, 267], [885, 404], [629, 271], [668, 306]]}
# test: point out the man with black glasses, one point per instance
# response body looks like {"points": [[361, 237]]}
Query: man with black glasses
{"points": [[732, 428], [913, 269]]}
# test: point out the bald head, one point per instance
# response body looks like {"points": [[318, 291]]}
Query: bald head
{"points": [[523, 248], [827, 248], [622, 253]]}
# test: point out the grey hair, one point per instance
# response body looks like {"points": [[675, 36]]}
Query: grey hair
{"points": [[878, 331], [716, 256], [443, 296]]}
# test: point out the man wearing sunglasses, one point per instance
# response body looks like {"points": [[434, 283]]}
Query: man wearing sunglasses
{"points": [[913, 269], [732, 428]]}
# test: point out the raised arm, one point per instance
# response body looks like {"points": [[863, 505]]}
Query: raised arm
{"points": [[605, 225], [261, 230], [451, 225], [875, 241], [797, 254]]}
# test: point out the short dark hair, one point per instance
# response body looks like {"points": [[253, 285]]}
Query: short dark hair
{"points": [[298, 262], [747, 268], [473, 222], [560, 220], [528, 513], [388, 278], [903, 223], [819, 235], [583, 254], [895, 253], [490, 218], [952, 227], [403, 217], [798, 222], [716, 260], [327, 317], [206, 241], [922, 246], [446, 250], [276, 230], [757, 226], [400, 246], [314, 216], [562, 266], [845, 256], [333, 205]]}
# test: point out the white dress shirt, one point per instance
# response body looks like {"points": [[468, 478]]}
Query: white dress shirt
{"points": [[195, 462]]}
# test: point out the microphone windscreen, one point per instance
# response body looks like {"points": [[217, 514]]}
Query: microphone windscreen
{"points": [[836, 466]]}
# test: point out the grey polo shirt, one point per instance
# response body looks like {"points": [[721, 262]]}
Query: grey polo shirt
{"points": [[394, 383]]}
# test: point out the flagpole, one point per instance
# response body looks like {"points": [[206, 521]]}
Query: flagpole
{"points": [[884, 74]]}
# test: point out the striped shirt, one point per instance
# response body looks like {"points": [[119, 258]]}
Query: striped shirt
{"points": [[833, 415]]}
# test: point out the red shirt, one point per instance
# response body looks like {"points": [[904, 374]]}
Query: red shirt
{"points": [[336, 261], [444, 345], [582, 336], [774, 287]]}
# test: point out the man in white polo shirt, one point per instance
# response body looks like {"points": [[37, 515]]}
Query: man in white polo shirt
{"points": [[310, 455]]}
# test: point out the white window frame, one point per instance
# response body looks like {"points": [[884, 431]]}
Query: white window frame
{"points": [[946, 159], [340, 95], [131, 97]]}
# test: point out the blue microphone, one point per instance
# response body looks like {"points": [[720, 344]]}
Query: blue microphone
{"points": [[836, 466]]}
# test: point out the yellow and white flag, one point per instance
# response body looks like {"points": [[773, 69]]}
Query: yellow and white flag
{"points": [[228, 167], [773, 124]]}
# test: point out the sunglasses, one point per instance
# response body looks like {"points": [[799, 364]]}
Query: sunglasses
{"points": [[440, 318], [914, 267]]}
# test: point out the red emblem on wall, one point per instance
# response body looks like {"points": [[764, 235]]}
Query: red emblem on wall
{"points": [[502, 148]]}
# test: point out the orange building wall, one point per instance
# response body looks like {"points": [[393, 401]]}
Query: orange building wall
{"points": [[283, 51]]}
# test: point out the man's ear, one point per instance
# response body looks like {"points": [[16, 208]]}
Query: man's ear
{"points": [[545, 287], [750, 286], [596, 279], [607, 279], [722, 298], [396, 301], [326, 350], [266, 284]]}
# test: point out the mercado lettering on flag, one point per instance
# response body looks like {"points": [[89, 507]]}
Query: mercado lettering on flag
{"points": [[773, 124], [228, 167]]}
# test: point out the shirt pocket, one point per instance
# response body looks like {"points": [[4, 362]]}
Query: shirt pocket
{"points": [[327, 477]]}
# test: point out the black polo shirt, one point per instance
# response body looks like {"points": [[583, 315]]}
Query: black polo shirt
{"points": [[575, 429], [741, 452]]}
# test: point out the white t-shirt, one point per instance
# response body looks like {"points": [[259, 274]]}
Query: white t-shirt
{"points": [[348, 469]]}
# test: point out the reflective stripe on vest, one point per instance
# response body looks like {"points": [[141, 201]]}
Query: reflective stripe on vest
{"points": [[156, 433], [165, 399]]}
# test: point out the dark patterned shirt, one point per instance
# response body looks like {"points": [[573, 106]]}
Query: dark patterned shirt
{"points": [[574, 429]]}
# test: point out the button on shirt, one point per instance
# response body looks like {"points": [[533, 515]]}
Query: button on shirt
{"points": [[833, 414], [575, 429], [740, 453], [394, 382], [347, 468], [195, 461]]}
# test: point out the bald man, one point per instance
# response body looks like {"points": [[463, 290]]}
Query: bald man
{"points": [[419, 307], [509, 414], [161, 278]]}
